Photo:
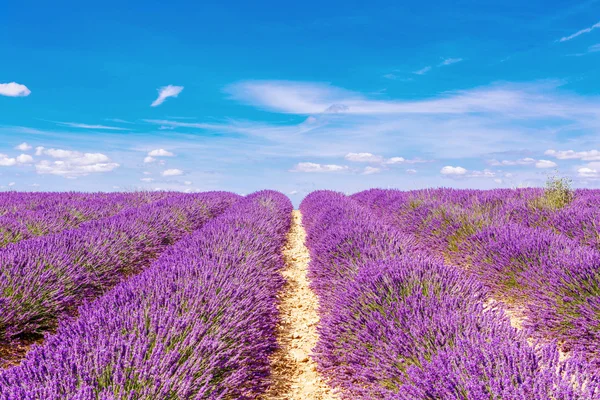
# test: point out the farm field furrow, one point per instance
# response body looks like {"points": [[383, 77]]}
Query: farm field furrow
{"points": [[67, 213], [294, 372], [397, 323], [198, 323], [44, 279], [548, 272]]}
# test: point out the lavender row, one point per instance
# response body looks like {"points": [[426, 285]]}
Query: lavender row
{"points": [[46, 278], [198, 323], [68, 213], [11, 202], [397, 324], [551, 279]]}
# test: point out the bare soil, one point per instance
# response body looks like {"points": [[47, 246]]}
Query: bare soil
{"points": [[294, 372]]}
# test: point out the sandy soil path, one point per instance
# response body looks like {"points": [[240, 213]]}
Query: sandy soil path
{"points": [[294, 371]]}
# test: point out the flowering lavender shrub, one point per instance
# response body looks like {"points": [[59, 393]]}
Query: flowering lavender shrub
{"points": [[67, 213], [409, 327], [46, 278], [199, 323]]}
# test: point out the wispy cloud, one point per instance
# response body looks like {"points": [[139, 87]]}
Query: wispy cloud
{"points": [[450, 61], [594, 48], [165, 92], [371, 170], [88, 126], [313, 167], [422, 71], [524, 101], [590, 155], [14, 89], [579, 33], [505, 163]]}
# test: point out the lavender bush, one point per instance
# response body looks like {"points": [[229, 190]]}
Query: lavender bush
{"points": [[45, 278], [199, 323]]}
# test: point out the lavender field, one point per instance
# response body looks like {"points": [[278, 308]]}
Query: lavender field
{"points": [[383, 294]]}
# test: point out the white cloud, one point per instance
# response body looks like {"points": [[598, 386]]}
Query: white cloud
{"points": [[313, 167], [147, 180], [522, 161], [450, 61], [422, 71], [172, 172], [14, 89], [11, 184], [581, 32], [147, 173], [149, 159], [411, 171], [71, 164], [6, 161], [594, 48], [363, 157], [591, 155], [160, 153], [188, 183], [586, 172], [395, 160], [24, 159], [166, 92], [545, 164], [87, 126], [39, 150], [486, 173], [450, 170], [514, 100], [293, 192], [23, 147], [371, 170]]}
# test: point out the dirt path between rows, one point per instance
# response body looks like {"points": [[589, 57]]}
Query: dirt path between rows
{"points": [[294, 371]]}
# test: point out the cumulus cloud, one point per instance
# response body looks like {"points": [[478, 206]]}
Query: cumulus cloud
{"points": [[411, 171], [313, 167], [14, 89], [39, 150], [591, 155], [450, 170], [24, 159], [147, 180], [187, 183], [586, 172], [149, 159], [71, 164], [160, 153], [172, 172], [363, 157], [23, 147], [371, 170], [165, 92], [545, 164], [6, 161]]}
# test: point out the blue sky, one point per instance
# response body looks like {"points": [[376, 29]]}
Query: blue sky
{"points": [[295, 97]]}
